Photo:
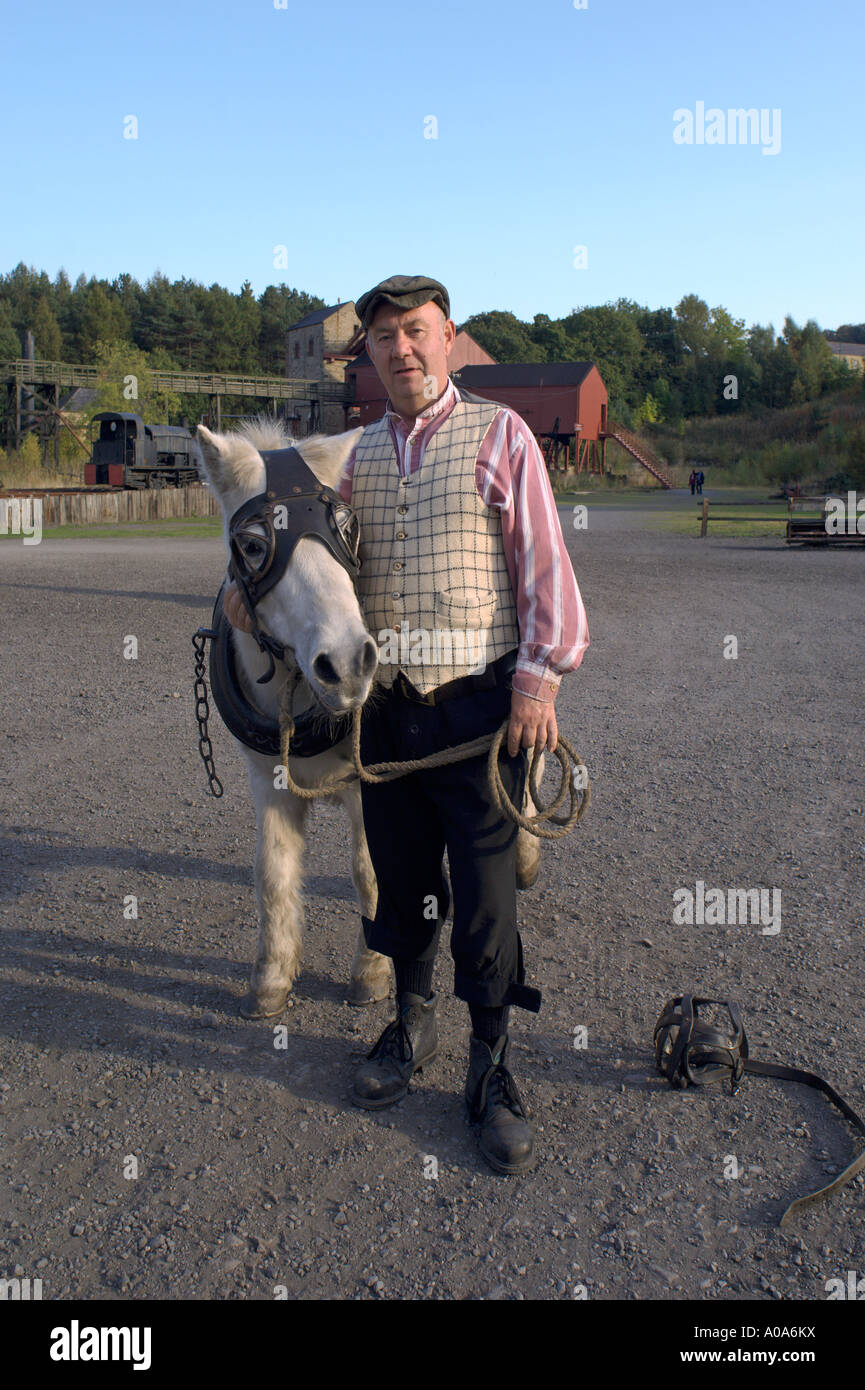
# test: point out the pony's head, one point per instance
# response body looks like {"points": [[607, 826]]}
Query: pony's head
{"points": [[313, 608]]}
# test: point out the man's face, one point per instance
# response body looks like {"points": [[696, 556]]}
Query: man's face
{"points": [[409, 349]]}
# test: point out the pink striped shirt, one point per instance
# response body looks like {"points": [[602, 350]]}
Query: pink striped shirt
{"points": [[511, 475]]}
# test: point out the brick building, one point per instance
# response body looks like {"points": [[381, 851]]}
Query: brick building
{"points": [[318, 349]]}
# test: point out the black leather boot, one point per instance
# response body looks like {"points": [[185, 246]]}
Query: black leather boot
{"points": [[404, 1047], [506, 1139]]}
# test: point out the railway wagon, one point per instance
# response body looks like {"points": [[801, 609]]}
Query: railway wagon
{"points": [[129, 454]]}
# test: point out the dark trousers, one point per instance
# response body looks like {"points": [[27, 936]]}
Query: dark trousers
{"points": [[411, 821]]}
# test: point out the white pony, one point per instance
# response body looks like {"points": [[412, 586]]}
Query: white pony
{"points": [[314, 610]]}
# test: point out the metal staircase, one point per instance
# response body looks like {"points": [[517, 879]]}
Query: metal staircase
{"points": [[641, 452]]}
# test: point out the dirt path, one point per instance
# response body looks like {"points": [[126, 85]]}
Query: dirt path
{"points": [[120, 1038]]}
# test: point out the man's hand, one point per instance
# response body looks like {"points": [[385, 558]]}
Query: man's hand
{"points": [[235, 609], [533, 724]]}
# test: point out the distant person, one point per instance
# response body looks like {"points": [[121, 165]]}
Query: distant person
{"points": [[692, 481], [701, 478]]}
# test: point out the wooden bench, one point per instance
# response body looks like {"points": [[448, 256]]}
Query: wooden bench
{"points": [[812, 530]]}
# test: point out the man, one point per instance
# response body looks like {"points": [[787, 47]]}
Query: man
{"points": [[466, 582]]}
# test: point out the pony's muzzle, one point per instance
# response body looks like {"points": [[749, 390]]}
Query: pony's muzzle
{"points": [[343, 680]]}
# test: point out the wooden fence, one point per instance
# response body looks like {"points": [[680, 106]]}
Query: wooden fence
{"points": [[805, 530], [107, 508]]}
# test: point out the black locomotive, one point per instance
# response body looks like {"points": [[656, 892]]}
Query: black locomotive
{"points": [[127, 453]]}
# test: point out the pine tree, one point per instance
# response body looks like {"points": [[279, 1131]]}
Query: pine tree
{"points": [[10, 345], [46, 331]]}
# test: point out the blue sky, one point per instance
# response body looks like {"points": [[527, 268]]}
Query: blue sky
{"points": [[304, 127]]}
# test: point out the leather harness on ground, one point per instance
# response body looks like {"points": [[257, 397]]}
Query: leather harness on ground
{"points": [[690, 1051]]}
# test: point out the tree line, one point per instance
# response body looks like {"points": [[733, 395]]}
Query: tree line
{"points": [[180, 324], [668, 365], [660, 365]]}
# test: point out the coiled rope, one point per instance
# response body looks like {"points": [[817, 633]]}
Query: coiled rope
{"points": [[546, 825]]}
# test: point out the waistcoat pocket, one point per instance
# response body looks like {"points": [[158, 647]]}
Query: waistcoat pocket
{"points": [[465, 608]]}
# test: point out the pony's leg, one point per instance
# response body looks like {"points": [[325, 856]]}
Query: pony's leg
{"points": [[371, 973], [529, 846], [278, 880]]}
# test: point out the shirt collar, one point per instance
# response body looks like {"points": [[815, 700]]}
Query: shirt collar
{"points": [[447, 399]]}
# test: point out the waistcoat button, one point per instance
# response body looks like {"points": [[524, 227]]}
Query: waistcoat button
{"points": [[398, 565], [400, 535]]}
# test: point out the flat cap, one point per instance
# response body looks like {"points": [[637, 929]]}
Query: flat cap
{"points": [[404, 292]]}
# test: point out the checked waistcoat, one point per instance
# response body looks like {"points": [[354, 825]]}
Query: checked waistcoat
{"points": [[434, 582]]}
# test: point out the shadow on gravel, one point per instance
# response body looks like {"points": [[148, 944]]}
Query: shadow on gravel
{"points": [[202, 1030], [185, 600], [336, 887], [779, 549], [191, 979], [72, 955], [317, 1068], [311, 1068], [51, 1016], [57, 851]]}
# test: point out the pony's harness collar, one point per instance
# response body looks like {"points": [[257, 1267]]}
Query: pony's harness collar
{"points": [[314, 731], [293, 506]]}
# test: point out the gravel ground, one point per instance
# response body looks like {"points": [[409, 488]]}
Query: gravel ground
{"points": [[120, 1038]]}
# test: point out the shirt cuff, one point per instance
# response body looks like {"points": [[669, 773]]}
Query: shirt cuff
{"points": [[535, 680]]}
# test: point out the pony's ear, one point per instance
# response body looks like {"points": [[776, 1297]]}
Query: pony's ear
{"points": [[214, 449], [229, 462], [328, 454], [346, 444]]}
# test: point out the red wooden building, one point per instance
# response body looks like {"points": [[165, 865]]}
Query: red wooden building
{"points": [[561, 402]]}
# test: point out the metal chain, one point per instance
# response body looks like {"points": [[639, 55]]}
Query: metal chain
{"points": [[202, 710]]}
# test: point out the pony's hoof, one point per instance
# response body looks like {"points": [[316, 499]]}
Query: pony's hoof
{"points": [[527, 874], [361, 993], [265, 1003]]}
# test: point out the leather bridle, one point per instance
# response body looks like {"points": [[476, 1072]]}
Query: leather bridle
{"points": [[264, 531], [263, 534]]}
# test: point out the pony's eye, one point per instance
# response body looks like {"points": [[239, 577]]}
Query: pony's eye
{"points": [[254, 550]]}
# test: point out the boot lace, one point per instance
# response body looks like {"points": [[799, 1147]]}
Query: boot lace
{"points": [[394, 1042], [499, 1088]]}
